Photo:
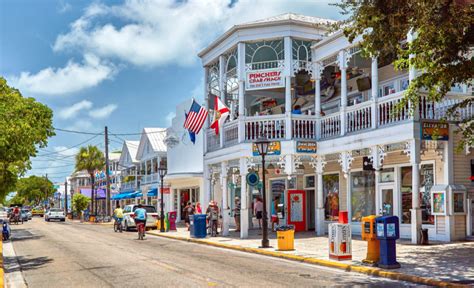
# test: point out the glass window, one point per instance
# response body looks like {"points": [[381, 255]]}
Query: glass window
{"points": [[404, 84], [363, 194], [406, 187], [387, 175], [389, 89], [309, 182], [426, 182], [331, 197], [292, 183]]}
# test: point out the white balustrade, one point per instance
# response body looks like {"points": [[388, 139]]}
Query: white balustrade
{"points": [[390, 110], [358, 117], [269, 127], [265, 65], [213, 140], [231, 133], [304, 127], [331, 125]]}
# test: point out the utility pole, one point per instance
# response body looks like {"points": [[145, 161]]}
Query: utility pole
{"points": [[47, 188], [107, 174], [65, 198]]}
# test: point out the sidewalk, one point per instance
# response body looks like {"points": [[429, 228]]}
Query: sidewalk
{"points": [[452, 262]]}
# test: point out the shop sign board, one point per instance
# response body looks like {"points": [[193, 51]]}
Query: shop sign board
{"points": [[165, 190], [309, 147], [264, 79], [273, 149], [434, 130]]}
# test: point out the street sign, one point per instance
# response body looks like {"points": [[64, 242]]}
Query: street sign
{"points": [[253, 179]]}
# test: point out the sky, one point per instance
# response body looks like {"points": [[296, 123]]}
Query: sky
{"points": [[124, 64]]}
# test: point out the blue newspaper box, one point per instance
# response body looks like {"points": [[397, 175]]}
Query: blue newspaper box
{"points": [[388, 231], [198, 227]]}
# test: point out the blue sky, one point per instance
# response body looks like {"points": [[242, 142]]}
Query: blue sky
{"points": [[124, 63]]}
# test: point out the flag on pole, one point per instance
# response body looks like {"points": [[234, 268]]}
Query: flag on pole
{"points": [[221, 112], [192, 135], [196, 117]]}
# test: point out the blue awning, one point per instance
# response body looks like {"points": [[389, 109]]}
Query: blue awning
{"points": [[152, 192], [136, 194], [125, 195]]}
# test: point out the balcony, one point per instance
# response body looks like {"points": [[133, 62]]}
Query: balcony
{"points": [[128, 186], [152, 178], [356, 119]]}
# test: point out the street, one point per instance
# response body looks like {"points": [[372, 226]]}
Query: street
{"points": [[72, 254]]}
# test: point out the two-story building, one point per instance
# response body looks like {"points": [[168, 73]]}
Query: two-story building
{"points": [[342, 139]]}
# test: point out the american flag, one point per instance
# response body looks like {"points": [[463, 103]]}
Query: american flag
{"points": [[196, 117]]}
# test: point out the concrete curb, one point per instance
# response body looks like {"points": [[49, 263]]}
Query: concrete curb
{"points": [[327, 263], [2, 272]]}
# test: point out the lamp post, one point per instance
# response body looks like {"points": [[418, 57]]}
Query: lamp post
{"points": [[162, 172], [262, 146]]}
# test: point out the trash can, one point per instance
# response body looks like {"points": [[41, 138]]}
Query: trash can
{"points": [[198, 227], [424, 236], [286, 238]]}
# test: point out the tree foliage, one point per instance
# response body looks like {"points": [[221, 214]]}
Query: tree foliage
{"points": [[25, 125], [441, 50], [90, 158], [34, 189], [80, 202]]}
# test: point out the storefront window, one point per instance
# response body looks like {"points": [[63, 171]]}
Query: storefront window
{"points": [[387, 175], [426, 182], [292, 183], [278, 194], [406, 194], [362, 194], [309, 182], [331, 197]]}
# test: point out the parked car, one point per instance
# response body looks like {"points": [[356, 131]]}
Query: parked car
{"points": [[28, 213], [24, 215], [37, 211], [129, 210], [54, 214], [3, 213]]}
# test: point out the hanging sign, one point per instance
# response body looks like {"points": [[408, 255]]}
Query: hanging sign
{"points": [[264, 79], [165, 190], [434, 130], [309, 147], [253, 179], [274, 148]]}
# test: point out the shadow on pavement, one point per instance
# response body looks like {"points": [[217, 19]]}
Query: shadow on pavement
{"points": [[26, 263], [24, 234]]}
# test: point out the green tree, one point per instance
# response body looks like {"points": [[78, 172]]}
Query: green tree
{"points": [[90, 158], [80, 203], [34, 189], [25, 125], [441, 50]]}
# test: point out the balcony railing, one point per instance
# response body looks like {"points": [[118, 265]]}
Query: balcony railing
{"points": [[364, 116], [152, 178]]}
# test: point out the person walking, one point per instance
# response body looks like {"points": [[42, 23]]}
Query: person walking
{"points": [[237, 214], [213, 216], [258, 211], [189, 212], [275, 221], [198, 208]]}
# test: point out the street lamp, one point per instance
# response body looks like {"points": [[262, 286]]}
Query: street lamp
{"points": [[262, 147], [162, 172]]}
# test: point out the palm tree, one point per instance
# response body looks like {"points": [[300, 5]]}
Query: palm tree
{"points": [[90, 158]]}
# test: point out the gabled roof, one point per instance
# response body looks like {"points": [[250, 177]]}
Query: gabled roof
{"points": [[155, 137], [129, 148], [287, 18]]}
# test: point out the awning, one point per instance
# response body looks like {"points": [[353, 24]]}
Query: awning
{"points": [[125, 195], [136, 194], [152, 192]]}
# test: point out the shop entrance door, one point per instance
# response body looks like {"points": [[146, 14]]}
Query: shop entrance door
{"points": [[389, 205], [297, 209], [184, 199], [310, 209]]}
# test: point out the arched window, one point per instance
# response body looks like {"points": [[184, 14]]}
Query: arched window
{"points": [[264, 53], [231, 63], [303, 53]]}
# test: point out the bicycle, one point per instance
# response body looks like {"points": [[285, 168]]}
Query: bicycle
{"points": [[141, 230], [118, 225]]}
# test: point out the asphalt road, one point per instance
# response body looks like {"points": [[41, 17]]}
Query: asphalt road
{"points": [[72, 254]]}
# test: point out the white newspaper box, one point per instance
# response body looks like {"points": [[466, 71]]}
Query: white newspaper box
{"points": [[340, 246]]}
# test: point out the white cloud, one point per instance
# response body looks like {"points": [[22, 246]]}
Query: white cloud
{"points": [[81, 125], [72, 111], [69, 79], [64, 6], [104, 112], [169, 117], [160, 32]]}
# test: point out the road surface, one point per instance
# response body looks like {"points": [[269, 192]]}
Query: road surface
{"points": [[73, 254]]}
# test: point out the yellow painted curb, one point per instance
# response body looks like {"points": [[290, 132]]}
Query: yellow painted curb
{"points": [[327, 263]]}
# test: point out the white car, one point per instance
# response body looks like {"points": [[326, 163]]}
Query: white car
{"points": [[129, 210], [55, 214]]}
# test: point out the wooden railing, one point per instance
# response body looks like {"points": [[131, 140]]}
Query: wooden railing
{"points": [[359, 117], [231, 133], [303, 127], [331, 125], [270, 127]]}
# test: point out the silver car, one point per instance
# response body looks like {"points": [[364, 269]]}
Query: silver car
{"points": [[129, 210], [55, 214]]}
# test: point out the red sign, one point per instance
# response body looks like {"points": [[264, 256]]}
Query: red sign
{"points": [[263, 79], [165, 190]]}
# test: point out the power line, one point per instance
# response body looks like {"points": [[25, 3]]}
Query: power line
{"points": [[77, 132], [59, 152], [102, 133], [47, 167]]}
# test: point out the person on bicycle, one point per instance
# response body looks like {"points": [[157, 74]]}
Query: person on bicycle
{"points": [[140, 217], [118, 214], [16, 214]]}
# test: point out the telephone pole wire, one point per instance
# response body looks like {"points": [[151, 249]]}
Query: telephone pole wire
{"points": [[107, 174]]}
